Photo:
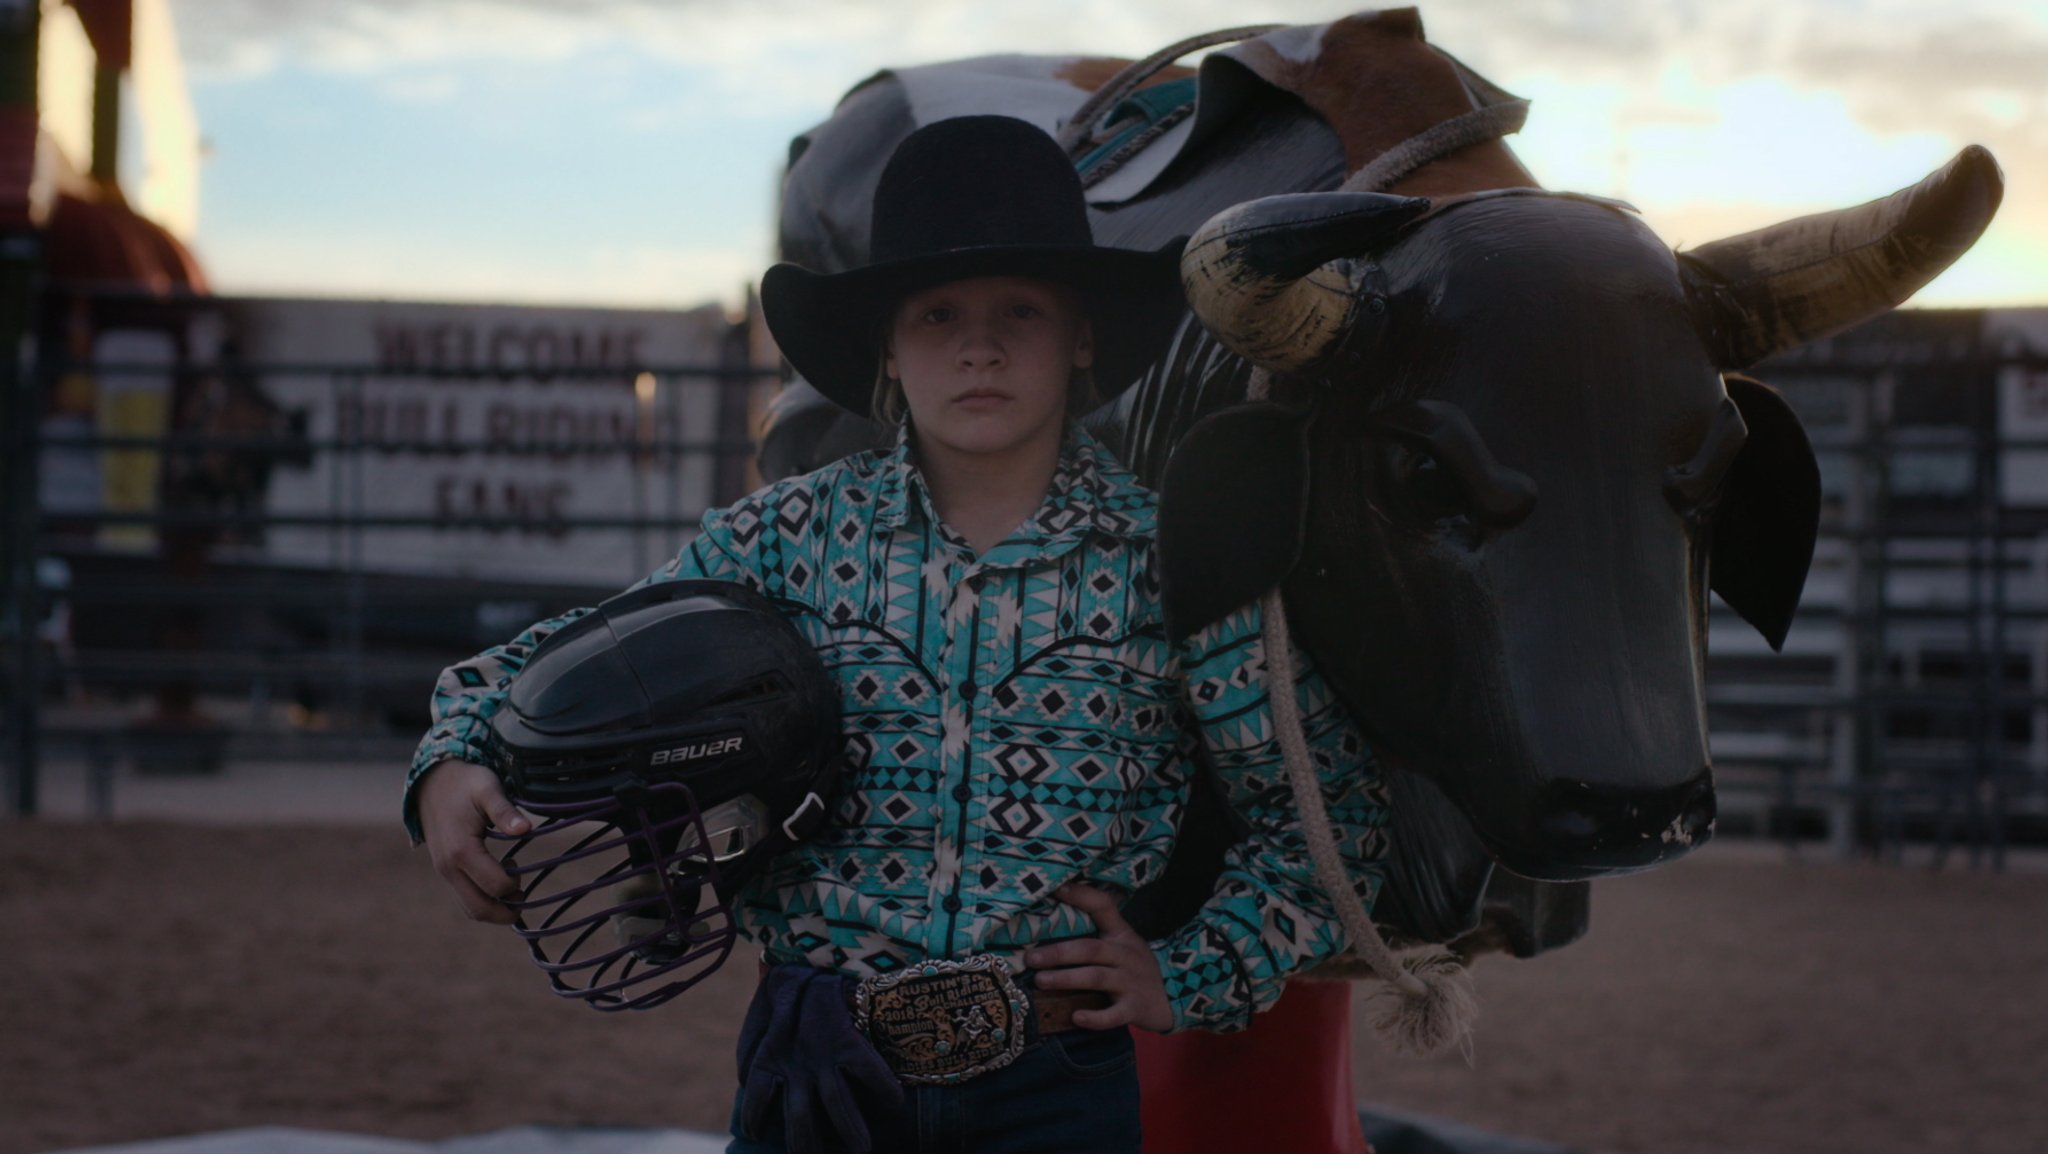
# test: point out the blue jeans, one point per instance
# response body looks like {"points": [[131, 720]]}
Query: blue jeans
{"points": [[1074, 1092]]}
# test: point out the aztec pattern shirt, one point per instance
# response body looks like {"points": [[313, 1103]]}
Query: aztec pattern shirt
{"points": [[1014, 721]]}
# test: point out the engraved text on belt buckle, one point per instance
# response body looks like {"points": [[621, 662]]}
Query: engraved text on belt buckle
{"points": [[942, 1022]]}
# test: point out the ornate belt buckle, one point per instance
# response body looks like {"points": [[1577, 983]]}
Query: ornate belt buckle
{"points": [[937, 1023]]}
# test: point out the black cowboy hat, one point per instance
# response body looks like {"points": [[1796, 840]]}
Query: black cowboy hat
{"points": [[966, 197]]}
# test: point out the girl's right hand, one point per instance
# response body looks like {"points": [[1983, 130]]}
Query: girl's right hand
{"points": [[458, 800]]}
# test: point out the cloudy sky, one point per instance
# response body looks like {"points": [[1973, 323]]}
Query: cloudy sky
{"points": [[627, 151]]}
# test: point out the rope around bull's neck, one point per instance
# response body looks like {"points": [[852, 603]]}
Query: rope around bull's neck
{"points": [[1429, 1001], [1477, 126], [1430, 1004]]}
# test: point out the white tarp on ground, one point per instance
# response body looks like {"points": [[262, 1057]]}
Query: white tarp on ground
{"points": [[521, 1140], [1390, 1132]]}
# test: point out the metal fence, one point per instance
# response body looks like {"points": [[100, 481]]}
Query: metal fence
{"points": [[1911, 702], [200, 648]]}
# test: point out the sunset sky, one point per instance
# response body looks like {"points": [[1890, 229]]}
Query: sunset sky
{"points": [[627, 151]]}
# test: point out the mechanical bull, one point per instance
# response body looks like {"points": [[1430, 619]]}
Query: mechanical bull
{"points": [[1505, 453]]}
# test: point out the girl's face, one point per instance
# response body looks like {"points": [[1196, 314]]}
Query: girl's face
{"points": [[986, 362]]}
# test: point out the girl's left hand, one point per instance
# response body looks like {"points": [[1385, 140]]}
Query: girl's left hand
{"points": [[1117, 961]]}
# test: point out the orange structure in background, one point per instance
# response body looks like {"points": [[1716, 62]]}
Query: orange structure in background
{"points": [[79, 66], [100, 241], [61, 147]]}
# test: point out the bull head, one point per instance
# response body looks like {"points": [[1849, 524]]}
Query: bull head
{"points": [[1506, 459]]}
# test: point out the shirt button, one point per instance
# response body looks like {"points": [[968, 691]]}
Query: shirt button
{"points": [[952, 903], [967, 690], [963, 792]]}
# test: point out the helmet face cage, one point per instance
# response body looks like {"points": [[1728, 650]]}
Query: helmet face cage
{"points": [[669, 746], [615, 911]]}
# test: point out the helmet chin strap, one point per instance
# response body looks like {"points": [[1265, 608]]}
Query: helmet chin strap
{"points": [[1428, 1003], [810, 813], [805, 817]]}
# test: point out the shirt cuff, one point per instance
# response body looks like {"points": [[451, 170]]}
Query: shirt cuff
{"points": [[1205, 981], [459, 737]]}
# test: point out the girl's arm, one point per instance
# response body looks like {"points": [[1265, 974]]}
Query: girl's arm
{"points": [[469, 692], [1268, 917]]}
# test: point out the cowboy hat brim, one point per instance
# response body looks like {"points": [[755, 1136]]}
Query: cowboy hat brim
{"points": [[830, 325]]}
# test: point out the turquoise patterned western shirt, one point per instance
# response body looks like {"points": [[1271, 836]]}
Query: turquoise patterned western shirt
{"points": [[1014, 721]]}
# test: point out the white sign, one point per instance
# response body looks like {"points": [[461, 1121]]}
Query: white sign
{"points": [[451, 403]]}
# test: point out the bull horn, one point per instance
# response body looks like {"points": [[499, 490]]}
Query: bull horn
{"points": [[1766, 291], [1261, 278]]}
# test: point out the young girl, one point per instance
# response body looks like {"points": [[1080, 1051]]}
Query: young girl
{"points": [[1020, 730]]}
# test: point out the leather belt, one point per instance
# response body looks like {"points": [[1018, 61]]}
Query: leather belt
{"points": [[1053, 1010], [941, 1022], [1056, 1008]]}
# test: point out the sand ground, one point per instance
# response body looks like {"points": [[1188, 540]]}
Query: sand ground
{"points": [[170, 978]]}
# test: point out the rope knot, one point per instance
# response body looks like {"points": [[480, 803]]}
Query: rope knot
{"points": [[1430, 1003], [1429, 1006]]}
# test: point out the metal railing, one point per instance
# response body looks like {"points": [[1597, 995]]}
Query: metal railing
{"points": [[1912, 701], [327, 652], [1913, 704]]}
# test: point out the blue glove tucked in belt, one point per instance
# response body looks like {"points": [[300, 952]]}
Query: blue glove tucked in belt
{"points": [[799, 1044]]}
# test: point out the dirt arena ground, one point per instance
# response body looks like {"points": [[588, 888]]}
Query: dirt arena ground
{"points": [[166, 979]]}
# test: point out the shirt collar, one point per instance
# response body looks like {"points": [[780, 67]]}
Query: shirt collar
{"points": [[1091, 490]]}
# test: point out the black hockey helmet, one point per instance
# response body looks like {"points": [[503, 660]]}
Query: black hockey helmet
{"points": [[671, 742]]}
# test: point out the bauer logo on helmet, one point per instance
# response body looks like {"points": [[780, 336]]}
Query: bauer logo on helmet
{"points": [[684, 753]]}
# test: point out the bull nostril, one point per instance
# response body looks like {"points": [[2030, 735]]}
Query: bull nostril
{"points": [[1608, 826], [1507, 500], [1572, 825]]}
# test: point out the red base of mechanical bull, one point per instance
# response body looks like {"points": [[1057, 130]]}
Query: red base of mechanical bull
{"points": [[1283, 1084]]}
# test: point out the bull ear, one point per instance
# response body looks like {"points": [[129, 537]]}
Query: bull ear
{"points": [[1769, 513], [1766, 291], [1233, 506]]}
